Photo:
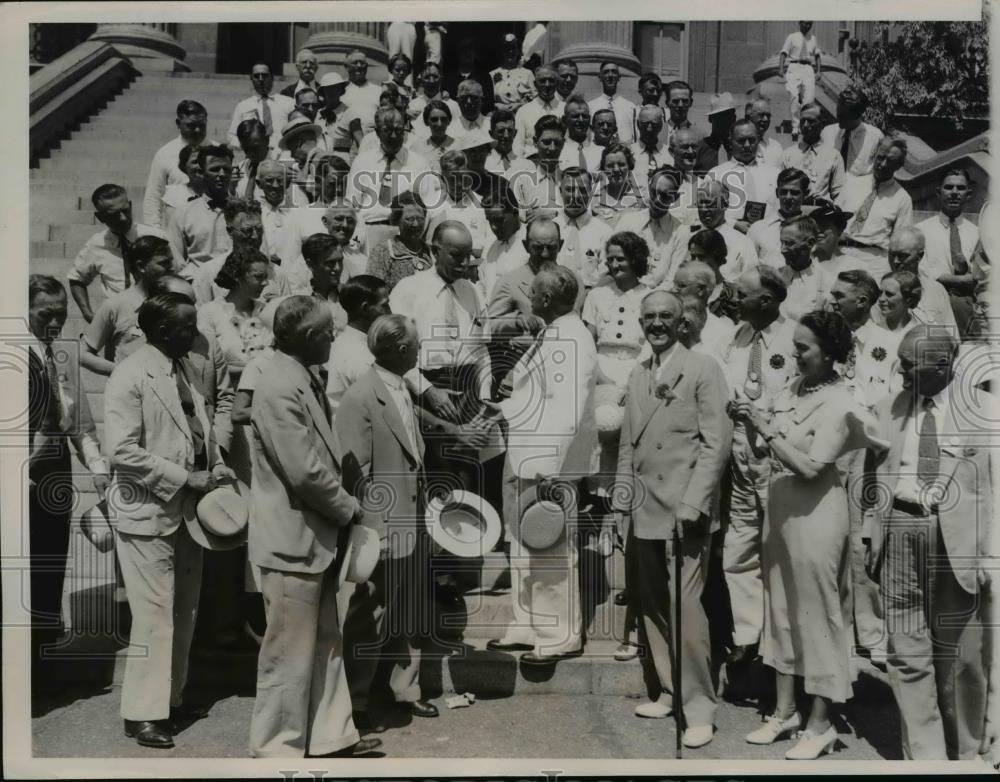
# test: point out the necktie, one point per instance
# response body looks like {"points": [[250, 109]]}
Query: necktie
{"points": [[451, 314], [194, 422], [862, 214], [651, 151], [573, 243], [407, 416], [251, 179], [265, 116], [54, 409], [752, 386], [385, 189], [928, 454], [845, 148], [505, 160], [959, 264], [583, 158], [126, 245], [319, 391]]}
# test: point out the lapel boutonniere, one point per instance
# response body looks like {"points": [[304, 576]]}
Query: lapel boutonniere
{"points": [[777, 361], [664, 392], [878, 353]]}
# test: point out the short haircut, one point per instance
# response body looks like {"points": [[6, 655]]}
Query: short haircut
{"points": [[446, 225], [701, 272], [772, 282], [214, 150], [616, 148], [184, 156], [545, 69], [39, 284], [961, 171], [288, 320], [500, 115], [650, 78], [106, 193], [401, 200], [895, 142], [158, 309], [576, 99], [549, 122], [144, 249], [597, 113], [454, 157], [853, 96], [386, 332], [162, 284], [500, 199], [694, 305], [359, 292], [430, 65], [743, 123], [250, 127], [755, 99], [472, 85], [568, 63], [400, 57], [809, 107], [861, 279], [832, 335], [538, 220], [909, 286], [677, 84], [787, 175], [561, 282], [634, 247], [190, 108], [711, 242], [673, 174], [803, 223], [384, 112], [237, 264], [240, 206], [303, 91], [317, 247], [574, 172], [605, 63]]}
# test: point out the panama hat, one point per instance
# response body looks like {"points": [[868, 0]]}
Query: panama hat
{"points": [[297, 127], [721, 102], [96, 527], [332, 79], [359, 558], [463, 524], [543, 522], [219, 519], [478, 137]]}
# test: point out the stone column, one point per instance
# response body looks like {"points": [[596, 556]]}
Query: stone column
{"points": [[589, 44], [333, 41], [150, 47]]}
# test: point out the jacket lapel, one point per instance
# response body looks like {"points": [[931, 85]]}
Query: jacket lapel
{"points": [[163, 386], [314, 407], [391, 415], [671, 375]]}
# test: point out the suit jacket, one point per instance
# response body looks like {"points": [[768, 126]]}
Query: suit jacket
{"points": [[673, 450], [512, 297], [965, 512], [148, 437], [380, 468], [298, 500], [550, 410]]}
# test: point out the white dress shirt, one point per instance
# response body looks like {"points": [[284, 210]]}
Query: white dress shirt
{"points": [[822, 164], [101, 258], [800, 47], [937, 248], [253, 108], [747, 182], [367, 94], [770, 152], [501, 256], [807, 291], [667, 241], [777, 359], [163, 171], [400, 394], [281, 232], [525, 119], [907, 487], [583, 246], [570, 155], [350, 358], [892, 209], [533, 187], [469, 212], [861, 149], [408, 171], [624, 110], [741, 256], [875, 366], [500, 164]]}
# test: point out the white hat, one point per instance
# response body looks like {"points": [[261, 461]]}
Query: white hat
{"points": [[463, 524], [332, 79], [358, 560], [219, 519], [297, 127], [477, 137], [720, 103], [543, 522], [96, 527]]}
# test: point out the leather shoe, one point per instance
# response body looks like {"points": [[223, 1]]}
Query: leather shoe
{"points": [[187, 712], [496, 645], [363, 747], [363, 722], [530, 658], [742, 655], [149, 733], [422, 709]]}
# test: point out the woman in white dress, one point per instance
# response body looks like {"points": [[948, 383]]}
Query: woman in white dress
{"points": [[899, 301], [611, 312]]}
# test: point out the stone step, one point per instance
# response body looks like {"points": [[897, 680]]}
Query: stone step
{"points": [[79, 181], [72, 161], [68, 232], [47, 192], [65, 216]]}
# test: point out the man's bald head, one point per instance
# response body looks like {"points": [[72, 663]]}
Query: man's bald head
{"points": [[542, 240], [270, 167], [926, 358], [906, 248], [553, 292], [695, 278]]}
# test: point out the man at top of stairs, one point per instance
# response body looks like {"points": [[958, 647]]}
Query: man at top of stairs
{"points": [[192, 121]]}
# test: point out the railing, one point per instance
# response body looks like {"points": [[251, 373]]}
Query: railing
{"points": [[67, 90]]}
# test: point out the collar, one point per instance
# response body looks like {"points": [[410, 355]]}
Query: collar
{"points": [[582, 220], [37, 346], [657, 363], [865, 333], [552, 104], [131, 234], [769, 334], [941, 400], [809, 271], [683, 126], [943, 219], [805, 146], [392, 381], [269, 96], [355, 332]]}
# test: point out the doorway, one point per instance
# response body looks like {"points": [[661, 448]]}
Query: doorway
{"points": [[488, 37], [244, 44], [662, 49]]}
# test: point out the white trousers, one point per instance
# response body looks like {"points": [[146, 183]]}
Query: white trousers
{"points": [[800, 81]]}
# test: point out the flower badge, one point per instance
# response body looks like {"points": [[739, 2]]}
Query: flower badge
{"points": [[878, 353], [777, 361], [665, 392]]}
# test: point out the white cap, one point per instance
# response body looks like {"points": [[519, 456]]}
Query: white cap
{"points": [[332, 79]]}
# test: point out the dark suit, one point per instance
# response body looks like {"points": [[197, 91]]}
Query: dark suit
{"points": [[672, 453], [389, 614], [930, 567]]}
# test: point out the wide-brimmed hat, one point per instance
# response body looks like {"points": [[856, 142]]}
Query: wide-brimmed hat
{"points": [[332, 79], [827, 212], [463, 524], [96, 527], [359, 558], [296, 128], [543, 522], [219, 519], [720, 103], [477, 137]]}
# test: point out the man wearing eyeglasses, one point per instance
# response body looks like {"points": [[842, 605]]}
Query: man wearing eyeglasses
{"points": [[270, 109]]}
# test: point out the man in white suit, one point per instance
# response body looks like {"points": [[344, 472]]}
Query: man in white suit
{"points": [[166, 410], [546, 445], [303, 706]]}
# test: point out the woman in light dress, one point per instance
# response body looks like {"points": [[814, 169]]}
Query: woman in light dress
{"points": [[611, 312], [806, 555], [406, 253], [616, 190], [899, 301]]}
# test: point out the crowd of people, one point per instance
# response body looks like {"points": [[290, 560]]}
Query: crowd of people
{"points": [[483, 287]]}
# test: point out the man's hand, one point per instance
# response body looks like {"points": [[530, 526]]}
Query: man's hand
{"points": [[472, 437], [529, 324], [359, 515], [742, 226], [439, 402], [201, 481], [223, 473], [101, 485], [690, 520]]}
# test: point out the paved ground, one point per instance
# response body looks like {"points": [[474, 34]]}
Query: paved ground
{"points": [[80, 724]]}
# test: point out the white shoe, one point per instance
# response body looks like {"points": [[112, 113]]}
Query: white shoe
{"points": [[697, 736], [811, 745], [627, 651], [774, 728], [653, 710]]}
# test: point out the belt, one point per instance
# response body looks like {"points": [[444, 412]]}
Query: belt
{"points": [[384, 221], [912, 508], [803, 62]]}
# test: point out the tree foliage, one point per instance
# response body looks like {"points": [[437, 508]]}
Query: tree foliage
{"points": [[938, 69]]}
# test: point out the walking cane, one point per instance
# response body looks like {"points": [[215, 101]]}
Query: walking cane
{"points": [[676, 667]]}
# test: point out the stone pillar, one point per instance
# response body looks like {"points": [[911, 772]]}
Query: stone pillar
{"points": [[333, 41], [150, 47], [589, 44]]}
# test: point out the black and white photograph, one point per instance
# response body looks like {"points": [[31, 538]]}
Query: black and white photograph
{"points": [[396, 396]]}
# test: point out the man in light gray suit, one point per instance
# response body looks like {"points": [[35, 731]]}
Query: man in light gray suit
{"points": [[303, 706], [166, 411]]}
